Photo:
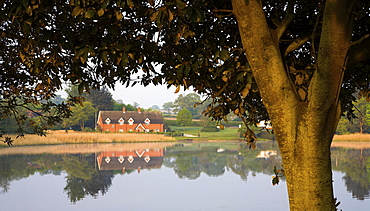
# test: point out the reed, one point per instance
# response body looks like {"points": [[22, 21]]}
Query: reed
{"points": [[352, 137], [83, 148], [88, 137]]}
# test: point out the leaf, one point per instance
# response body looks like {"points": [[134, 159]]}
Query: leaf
{"points": [[104, 57], [82, 59], [81, 87], [101, 12], [77, 11], [177, 89], [154, 16], [170, 16], [245, 91], [180, 4], [275, 180], [124, 60], [22, 56], [131, 56], [119, 15], [224, 54], [80, 52], [130, 3], [89, 14], [29, 11]]}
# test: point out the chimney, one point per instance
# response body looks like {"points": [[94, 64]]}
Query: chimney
{"points": [[123, 109], [138, 110]]}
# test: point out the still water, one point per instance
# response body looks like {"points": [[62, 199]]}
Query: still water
{"points": [[164, 176]]}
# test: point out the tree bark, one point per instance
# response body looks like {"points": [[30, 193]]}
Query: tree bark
{"points": [[304, 130]]}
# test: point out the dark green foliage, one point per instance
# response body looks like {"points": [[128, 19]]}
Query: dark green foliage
{"points": [[210, 129], [184, 118]]}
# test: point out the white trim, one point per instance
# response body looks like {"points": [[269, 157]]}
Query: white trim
{"points": [[131, 121], [121, 121]]}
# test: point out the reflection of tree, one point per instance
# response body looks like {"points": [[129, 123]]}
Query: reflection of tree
{"points": [[357, 171], [190, 162], [186, 166], [213, 163], [16, 167], [78, 166], [359, 189], [246, 162], [83, 179], [78, 188]]}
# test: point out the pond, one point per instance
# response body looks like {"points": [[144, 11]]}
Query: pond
{"points": [[164, 176]]}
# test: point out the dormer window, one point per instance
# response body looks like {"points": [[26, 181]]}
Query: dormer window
{"points": [[131, 121], [121, 121], [107, 121], [147, 121]]}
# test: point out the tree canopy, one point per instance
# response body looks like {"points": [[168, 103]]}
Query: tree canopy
{"points": [[184, 117], [192, 43], [304, 58]]}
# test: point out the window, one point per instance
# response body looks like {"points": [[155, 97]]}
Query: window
{"points": [[147, 121], [131, 121], [120, 130], [107, 121], [156, 130], [121, 121]]}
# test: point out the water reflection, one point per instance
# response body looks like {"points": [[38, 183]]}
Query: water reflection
{"points": [[89, 170], [355, 163]]}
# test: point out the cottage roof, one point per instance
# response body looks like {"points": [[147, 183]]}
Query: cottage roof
{"points": [[155, 117]]}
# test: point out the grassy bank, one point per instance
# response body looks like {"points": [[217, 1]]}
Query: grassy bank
{"points": [[225, 134], [352, 137], [86, 137]]}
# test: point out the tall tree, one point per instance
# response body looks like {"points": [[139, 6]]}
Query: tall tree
{"points": [[81, 113], [168, 106], [304, 58], [188, 101], [184, 117], [362, 115], [101, 98]]}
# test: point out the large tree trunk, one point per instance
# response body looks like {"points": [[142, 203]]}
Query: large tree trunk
{"points": [[304, 128]]}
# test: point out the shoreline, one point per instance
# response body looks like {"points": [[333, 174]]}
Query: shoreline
{"points": [[76, 137]]}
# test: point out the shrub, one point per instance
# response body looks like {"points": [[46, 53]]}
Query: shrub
{"points": [[210, 129], [265, 135], [175, 133]]}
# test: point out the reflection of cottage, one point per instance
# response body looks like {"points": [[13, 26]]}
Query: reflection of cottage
{"points": [[129, 160], [266, 154], [126, 121]]}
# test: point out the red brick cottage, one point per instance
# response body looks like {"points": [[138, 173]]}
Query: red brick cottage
{"points": [[127, 121]]}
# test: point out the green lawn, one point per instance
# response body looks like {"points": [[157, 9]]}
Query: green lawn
{"points": [[225, 134]]}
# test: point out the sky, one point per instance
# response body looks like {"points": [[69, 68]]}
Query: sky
{"points": [[146, 97]]}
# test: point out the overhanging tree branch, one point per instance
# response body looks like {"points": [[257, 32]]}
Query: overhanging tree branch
{"points": [[289, 17]]}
